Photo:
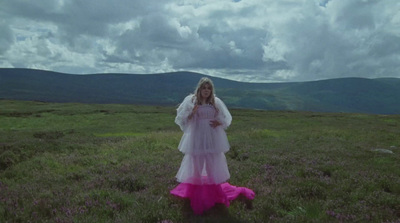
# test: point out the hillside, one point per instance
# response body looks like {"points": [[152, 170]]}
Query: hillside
{"points": [[379, 96]]}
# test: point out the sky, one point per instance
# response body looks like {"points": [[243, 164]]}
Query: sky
{"points": [[243, 40]]}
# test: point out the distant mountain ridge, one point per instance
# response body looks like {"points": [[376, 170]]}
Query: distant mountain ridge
{"points": [[358, 95]]}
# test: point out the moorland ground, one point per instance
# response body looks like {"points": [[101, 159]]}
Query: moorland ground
{"points": [[116, 163]]}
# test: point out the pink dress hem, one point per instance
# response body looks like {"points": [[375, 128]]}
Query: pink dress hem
{"points": [[204, 197]]}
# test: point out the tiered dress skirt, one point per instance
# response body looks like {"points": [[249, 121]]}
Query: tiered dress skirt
{"points": [[203, 173]]}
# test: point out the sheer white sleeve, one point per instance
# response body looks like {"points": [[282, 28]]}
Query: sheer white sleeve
{"points": [[183, 112], [223, 113]]}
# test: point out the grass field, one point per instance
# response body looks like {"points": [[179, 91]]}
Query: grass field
{"points": [[116, 163]]}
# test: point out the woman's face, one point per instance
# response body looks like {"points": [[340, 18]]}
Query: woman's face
{"points": [[205, 91]]}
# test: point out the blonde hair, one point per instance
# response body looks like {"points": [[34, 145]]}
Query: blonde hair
{"points": [[211, 99]]}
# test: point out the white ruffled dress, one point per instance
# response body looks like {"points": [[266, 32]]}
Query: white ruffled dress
{"points": [[204, 147]]}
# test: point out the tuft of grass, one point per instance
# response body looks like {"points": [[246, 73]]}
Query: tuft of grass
{"points": [[120, 134]]}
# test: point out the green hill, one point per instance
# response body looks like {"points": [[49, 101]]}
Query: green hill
{"points": [[379, 96]]}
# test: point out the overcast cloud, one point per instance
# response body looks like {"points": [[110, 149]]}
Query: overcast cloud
{"points": [[246, 40]]}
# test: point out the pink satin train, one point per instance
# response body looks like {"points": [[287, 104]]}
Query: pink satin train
{"points": [[204, 197]]}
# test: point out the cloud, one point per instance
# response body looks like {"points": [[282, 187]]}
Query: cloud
{"points": [[337, 40], [252, 40], [6, 37]]}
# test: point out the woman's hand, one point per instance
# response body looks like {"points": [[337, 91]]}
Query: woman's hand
{"points": [[215, 123]]}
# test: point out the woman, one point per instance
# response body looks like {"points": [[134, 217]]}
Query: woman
{"points": [[203, 173]]}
